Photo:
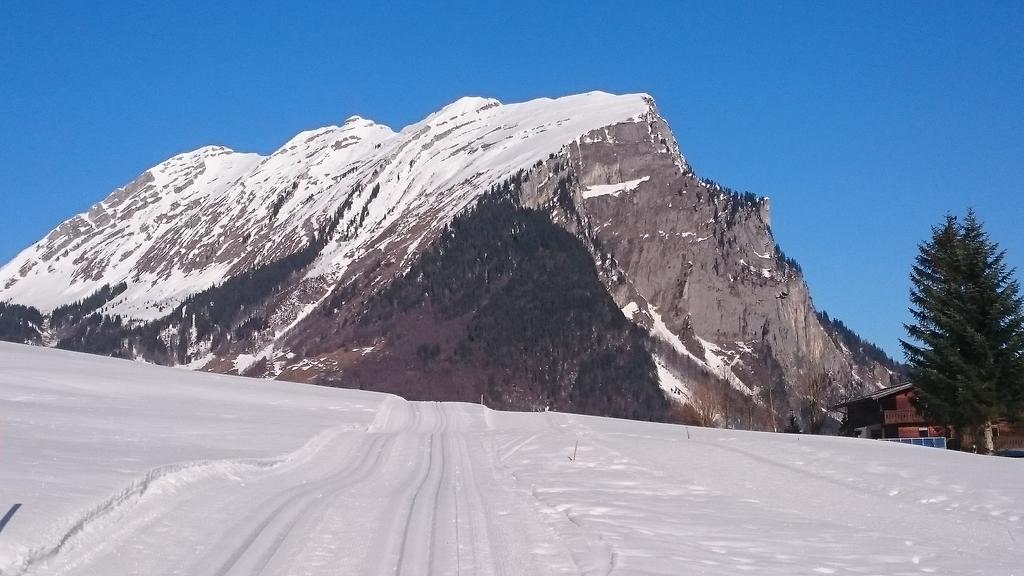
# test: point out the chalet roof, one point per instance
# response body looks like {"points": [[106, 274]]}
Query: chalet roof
{"points": [[877, 394]]}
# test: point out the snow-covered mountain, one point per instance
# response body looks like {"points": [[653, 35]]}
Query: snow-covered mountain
{"points": [[478, 251], [202, 216]]}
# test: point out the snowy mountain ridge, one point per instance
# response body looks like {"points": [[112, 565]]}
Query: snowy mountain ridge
{"points": [[201, 216], [556, 253]]}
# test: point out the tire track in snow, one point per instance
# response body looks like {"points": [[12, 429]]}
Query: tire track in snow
{"points": [[306, 503], [446, 509], [423, 509], [293, 506], [456, 516], [173, 474], [421, 536], [292, 502]]}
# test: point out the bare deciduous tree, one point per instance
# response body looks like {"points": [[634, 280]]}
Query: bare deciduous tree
{"points": [[708, 402], [816, 390]]}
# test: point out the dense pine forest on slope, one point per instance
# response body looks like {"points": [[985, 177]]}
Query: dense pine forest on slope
{"points": [[22, 324], [863, 350], [526, 306], [70, 314]]}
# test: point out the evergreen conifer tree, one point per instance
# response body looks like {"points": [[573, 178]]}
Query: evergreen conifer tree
{"points": [[931, 354], [966, 345], [995, 321]]}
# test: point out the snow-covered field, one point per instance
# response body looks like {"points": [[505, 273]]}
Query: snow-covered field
{"points": [[124, 468]]}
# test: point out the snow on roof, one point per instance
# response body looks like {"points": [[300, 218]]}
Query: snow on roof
{"points": [[877, 395]]}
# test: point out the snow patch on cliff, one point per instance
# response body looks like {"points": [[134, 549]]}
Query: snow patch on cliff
{"points": [[613, 189]]}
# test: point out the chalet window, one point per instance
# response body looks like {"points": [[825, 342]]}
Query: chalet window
{"points": [[922, 432]]}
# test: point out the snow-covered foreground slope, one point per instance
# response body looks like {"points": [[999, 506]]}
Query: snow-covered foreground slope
{"points": [[124, 468]]}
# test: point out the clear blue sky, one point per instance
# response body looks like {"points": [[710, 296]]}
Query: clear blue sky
{"points": [[863, 121]]}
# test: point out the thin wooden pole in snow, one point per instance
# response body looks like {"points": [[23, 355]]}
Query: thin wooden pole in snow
{"points": [[575, 448]]}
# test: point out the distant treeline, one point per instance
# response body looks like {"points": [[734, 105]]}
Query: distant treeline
{"points": [[863, 351]]}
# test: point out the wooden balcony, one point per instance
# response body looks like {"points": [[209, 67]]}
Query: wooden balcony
{"points": [[906, 416], [1009, 443]]}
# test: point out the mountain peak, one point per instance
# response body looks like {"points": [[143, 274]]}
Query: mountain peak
{"points": [[355, 121], [467, 105], [198, 154]]}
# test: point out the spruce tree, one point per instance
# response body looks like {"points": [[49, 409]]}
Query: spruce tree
{"points": [[931, 354], [966, 348], [996, 326]]}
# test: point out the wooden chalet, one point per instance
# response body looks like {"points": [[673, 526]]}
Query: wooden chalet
{"points": [[888, 413], [891, 413]]}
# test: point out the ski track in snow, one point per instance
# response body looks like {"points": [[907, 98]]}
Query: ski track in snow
{"points": [[275, 478]]}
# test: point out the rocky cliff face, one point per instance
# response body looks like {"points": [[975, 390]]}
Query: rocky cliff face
{"points": [[696, 264], [360, 256]]}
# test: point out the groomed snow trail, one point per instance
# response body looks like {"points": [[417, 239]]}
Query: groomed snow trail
{"points": [[123, 468], [413, 463]]}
